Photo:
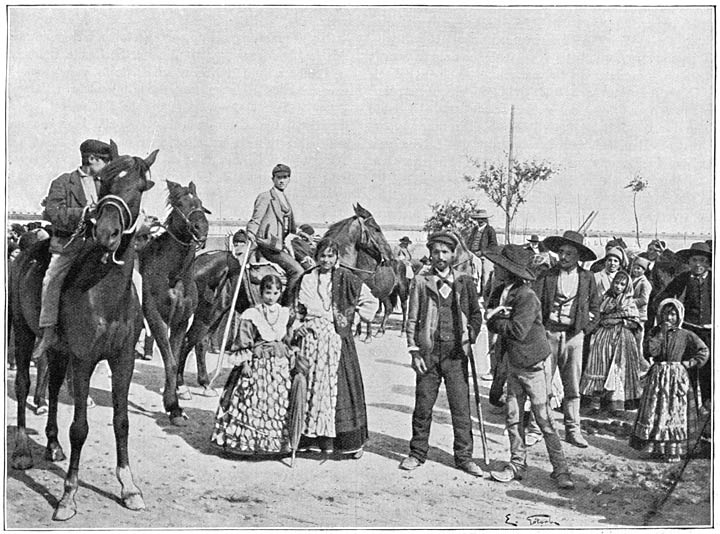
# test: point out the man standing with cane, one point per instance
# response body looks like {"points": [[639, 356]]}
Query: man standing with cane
{"points": [[444, 318]]}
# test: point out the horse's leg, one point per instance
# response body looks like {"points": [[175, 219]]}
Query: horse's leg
{"points": [[387, 308], [160, 333], [81, 371], [41, 384], [122, 370], [403, 308], [201, 340], [177, 337], [57, 367], [185, 347], [24, 343]]}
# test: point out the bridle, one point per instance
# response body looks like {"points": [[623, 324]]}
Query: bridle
{"points": [[128, 226], [199, 243], [367, 237]]}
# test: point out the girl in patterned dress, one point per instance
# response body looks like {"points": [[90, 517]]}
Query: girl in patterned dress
{"points": [[614, 367], [667, 417], [253, 411]]}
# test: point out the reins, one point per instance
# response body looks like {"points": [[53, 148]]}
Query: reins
{"points": [[186, 219], [126, 216]]}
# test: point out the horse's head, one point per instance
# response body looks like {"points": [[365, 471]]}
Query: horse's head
{"points": [[371, 239], [123, 180], [187, 220]]}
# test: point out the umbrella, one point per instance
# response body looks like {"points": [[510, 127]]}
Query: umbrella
{"points": [[298, 406]]}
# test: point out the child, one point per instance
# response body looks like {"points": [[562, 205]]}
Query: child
{"points": [[667, 417], [614, 366], [252, 416], [641, 294]]}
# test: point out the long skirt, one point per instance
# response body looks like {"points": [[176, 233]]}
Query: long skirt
{"points": [[336, 397], [614, 367], [667, 417], [252, 417]]}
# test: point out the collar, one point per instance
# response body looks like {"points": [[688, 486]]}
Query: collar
{"points": [[571, 271], [701, 277], [448, 275]]}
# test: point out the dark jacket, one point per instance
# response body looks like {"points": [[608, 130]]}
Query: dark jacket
{"points": [[64, 206], [488, 239], [586, 302], [423, 307], [696, 313], [522, 335]]}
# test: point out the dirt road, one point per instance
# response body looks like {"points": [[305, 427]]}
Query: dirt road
{"points": [[186, 483]]}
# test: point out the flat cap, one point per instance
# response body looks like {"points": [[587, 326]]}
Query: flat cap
{"points": [[281, 169], [95, 148]]}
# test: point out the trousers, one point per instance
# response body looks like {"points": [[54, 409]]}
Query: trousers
{"points": [[293, 271], [566, 355], [56, 272]]}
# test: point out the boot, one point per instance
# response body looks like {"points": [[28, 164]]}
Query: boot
{"points": [[46, 341]]}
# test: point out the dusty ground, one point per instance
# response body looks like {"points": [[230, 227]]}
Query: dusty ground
{"points": [[186, 483]]}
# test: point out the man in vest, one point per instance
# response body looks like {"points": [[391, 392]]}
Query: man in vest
{"points": [[70, 197], [444, 318], [270, 226], [569, 300], [482, 238]]}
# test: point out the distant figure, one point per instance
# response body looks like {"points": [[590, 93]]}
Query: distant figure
{"points": [[482, 238], [641, 294], [304, 246], [535, 245], [271, 223], [404, 255]]}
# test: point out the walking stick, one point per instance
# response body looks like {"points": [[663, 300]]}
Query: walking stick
{"points": [[483, 435], [230, 316]]}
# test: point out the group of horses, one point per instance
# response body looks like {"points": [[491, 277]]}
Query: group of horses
{"points": [[101, 317]]}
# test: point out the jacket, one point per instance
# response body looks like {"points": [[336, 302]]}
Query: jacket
{"points": [[522, 335], [488, 239], [64, 207], [586, 302], [266, 223], [641, 294], [423, 312]]}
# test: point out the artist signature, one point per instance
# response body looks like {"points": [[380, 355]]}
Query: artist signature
{"points": [[535, 520]]}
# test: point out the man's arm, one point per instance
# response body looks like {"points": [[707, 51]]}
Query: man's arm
{"points": [[524, 310], [492, 238], [413, 311], [262, 202], [61, 215], [475, 312]]}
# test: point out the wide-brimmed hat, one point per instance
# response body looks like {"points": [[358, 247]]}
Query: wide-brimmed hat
{"points": [[445, 238], [513, 258], [480, 214], [696, 249], [534, 239], [405, 239], [575, 239]]}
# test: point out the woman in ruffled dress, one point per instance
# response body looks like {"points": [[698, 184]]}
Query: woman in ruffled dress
{"points": [[328, 297], [253, 411], [614, 367], [667, 417]]}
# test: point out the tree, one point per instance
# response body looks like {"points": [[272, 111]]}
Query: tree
{"points": [[637, 185], [492, 179], [452, 215]]}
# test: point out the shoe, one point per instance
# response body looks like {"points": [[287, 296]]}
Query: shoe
{"points": [[576, 438], [410, 463], [563, 480], [532, 438], [471, 468], [507, 474]]}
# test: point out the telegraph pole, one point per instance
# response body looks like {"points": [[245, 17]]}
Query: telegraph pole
{"points": [[510, 164]]}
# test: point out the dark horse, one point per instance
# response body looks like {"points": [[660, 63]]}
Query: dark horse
{"points": [[99, 319], [363, 249], [169, 291]]}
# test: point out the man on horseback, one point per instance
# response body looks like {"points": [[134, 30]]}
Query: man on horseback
{"points": [[482, 238], [68, 202], [271, 224]]}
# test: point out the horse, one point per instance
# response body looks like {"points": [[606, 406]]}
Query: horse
{"points": [[363, 249], [168, 288], [99, 319]]}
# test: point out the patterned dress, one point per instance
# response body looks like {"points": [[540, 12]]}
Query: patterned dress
{"points": [[614, 366], [667, 417], [253, 411]]}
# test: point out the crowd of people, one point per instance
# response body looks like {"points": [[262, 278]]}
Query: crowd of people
{"points": [[613, 339]]}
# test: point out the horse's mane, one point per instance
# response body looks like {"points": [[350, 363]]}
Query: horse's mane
{"points": [[123, 163], [336, 227]]}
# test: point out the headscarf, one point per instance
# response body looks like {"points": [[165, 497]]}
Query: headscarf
{"points": [[679, 307], [620, 306]]}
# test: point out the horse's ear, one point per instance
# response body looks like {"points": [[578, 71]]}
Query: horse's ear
{"points": [[151, 158], [207, 210], [113, 150], [148, 185], [172, 186], [191, 187]]}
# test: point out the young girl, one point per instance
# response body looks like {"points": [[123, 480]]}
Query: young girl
{"points": [[614, 367], [252, 415], [667, 417]]}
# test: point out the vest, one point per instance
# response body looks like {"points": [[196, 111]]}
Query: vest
{"points": [[445, 341], [698, 302]]}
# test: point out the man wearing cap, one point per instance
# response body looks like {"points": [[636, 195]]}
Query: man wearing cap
{"points": [[403, 255], [304, 246], [569, 300], [534, 244], [271, 224], [69, 200], [694, 289], [517, 320], [482, 238], [444, 318]]}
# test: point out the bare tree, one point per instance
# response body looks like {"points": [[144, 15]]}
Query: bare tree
{"points": [[493, 180], [637, 185]]}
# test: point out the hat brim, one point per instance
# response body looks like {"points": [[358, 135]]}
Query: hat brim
{"points": [[687, 253], [518, 270], [488, 216], [555, 242]]}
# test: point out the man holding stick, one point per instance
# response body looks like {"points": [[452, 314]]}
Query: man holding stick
{"points": [[444, 318], [517, 321]]}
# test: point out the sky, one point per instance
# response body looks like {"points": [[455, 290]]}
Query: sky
{"points": [[380, 106]]}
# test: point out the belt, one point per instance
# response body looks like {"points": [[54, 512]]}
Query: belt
{"points": [[558, 327]]}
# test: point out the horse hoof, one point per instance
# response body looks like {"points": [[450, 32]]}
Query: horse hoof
{"points": [[134, 502], [179, 420], [42, 409], [21, 461], [209, 392], [183, 393], [63, 513], [54, 453]]}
